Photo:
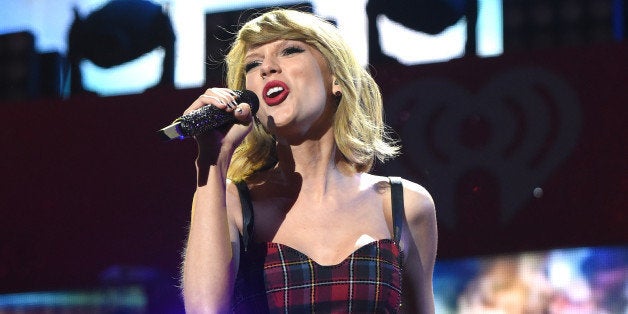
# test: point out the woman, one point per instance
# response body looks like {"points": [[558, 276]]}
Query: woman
{"points": [[285, 216]]}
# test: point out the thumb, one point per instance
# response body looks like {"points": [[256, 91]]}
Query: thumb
{"points": [[243, 113]]}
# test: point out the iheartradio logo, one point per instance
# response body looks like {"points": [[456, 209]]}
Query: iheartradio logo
{"points": [[516, 130]]}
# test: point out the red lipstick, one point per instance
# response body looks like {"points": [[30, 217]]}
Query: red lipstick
{"points": [[275, 92]]}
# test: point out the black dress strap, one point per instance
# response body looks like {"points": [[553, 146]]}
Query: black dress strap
{"points": [[396, 193], [247, 213]]}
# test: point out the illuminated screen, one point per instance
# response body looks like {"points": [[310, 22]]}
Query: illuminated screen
{"points": [[574, 280], [578, 280], [49, 21], [128, 300]]}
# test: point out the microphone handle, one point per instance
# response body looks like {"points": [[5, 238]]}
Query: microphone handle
{"points": [[203, 119], [196, 122]]}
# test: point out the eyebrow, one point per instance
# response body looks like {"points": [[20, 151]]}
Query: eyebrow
{"points": [[282, 43], [251, 55]]}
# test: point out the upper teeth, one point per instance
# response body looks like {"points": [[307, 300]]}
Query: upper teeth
{"points": [[273, 90]]}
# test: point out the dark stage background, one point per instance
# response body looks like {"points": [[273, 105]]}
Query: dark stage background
{"points": [[521, 152], [87, 184]]}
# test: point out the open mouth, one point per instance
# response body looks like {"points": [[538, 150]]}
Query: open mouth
{"points": [[275, 92]]}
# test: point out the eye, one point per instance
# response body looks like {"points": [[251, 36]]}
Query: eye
{"points": [[292, 50], [251, 65]]}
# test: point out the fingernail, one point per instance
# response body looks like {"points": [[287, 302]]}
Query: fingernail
{"points": [[239, 110]]}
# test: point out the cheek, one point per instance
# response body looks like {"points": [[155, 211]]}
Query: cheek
{"points": [[315, 86], [320, 94], [251, 82]]}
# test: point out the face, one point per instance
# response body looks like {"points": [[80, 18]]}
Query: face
{"points": [[294, 85]]}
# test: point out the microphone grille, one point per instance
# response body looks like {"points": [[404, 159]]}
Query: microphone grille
{"points": [[250, 98]]}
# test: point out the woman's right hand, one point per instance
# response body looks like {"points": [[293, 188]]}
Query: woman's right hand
{"points": [[217, 145]]}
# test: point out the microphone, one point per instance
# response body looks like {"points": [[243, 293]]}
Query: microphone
{"points": [[206, 118]]}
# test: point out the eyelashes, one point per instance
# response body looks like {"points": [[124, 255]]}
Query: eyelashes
{"points": [[251, 65], [292, 50], [287, 51]]}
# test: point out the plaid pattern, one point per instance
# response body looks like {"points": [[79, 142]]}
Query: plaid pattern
{"points": [[275, 278]]}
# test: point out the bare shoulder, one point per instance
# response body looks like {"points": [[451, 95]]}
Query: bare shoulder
{"points": [[418, 202]]}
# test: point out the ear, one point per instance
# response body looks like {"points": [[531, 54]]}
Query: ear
{"points": [[336, 89]]}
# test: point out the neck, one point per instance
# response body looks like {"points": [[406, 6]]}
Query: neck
{"points": [[318, 163]]}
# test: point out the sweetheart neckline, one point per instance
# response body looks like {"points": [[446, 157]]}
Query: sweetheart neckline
{"points": [[345, 260]]}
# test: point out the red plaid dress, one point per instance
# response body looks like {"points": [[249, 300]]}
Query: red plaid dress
{"points": [[275, 278]]}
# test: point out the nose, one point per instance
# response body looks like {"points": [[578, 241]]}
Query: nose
{"points": [[269, 67]]}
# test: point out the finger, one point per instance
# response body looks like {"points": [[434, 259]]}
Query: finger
{"points": [[227, 95], [207, 100], [243, 113], [213, 97]]}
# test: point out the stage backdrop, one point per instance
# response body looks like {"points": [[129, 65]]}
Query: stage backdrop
{"points": [[521, 152]]}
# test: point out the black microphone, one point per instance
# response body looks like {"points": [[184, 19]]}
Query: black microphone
{"points": [[206, 118]]}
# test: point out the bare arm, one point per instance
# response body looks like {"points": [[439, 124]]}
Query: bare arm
{"points": [[419, 240], [210, 260]]}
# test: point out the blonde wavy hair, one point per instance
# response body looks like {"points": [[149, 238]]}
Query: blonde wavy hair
{"points": [[359, 130]]}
